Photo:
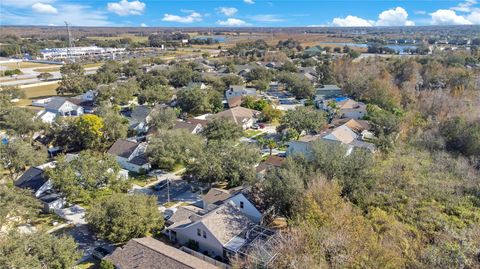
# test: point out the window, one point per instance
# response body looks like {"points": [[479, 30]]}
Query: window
{"points": [[241, 204], [204, 234], [198, 232]]}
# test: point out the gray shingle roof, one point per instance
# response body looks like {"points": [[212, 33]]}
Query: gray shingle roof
{"points": [[32, 179], [123, 148]]}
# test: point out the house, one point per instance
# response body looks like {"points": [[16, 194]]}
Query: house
{"points": [[244, 117], [271, 162], [239, 90], [327, 92], [35, 180], [342, 134], [130, 155], [138, 118], [236, 196], [345, 107], [57, 106], [148, 252], [190, 127], [211, 232]]}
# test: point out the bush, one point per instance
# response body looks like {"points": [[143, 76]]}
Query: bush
{"points": [[105, 264]]}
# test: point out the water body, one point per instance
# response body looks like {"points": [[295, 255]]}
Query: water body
{"points": [[219, 39], [398, 48]]}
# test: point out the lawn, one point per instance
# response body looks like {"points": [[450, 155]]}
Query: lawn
{"points": [[37, 92], [252, 133], [26, 65], [57, 68], [141, 180], [44, 222]]}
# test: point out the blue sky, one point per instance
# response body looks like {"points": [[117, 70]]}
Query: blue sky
{"points": [[213, 13]]}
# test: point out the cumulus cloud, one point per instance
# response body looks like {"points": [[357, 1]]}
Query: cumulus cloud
{"points": [[267, 18], [351, 21], [232, 22], [22, 3], [392, 17], [249, 2], [143, 25], [124, 8], [474, 16], [192, 17], [448, 17], [227, 11], [44, 8]]}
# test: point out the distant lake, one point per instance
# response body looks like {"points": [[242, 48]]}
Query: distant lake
{"points": [[398, 48], [219, 39]]}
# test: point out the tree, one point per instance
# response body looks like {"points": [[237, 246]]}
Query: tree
{"points": [[172, 147], [37, 250], [269, 113], [73, 79], [303, 119], [222, 129], [232, 80], [155, 94], [16, 206], [45, 76], [131, 69], [180, 76], [115, 126], [271, 144], [90, 130], [119, 93], [197, 101], [221, 161], [21, 121], [87, 176], [121, 217], [16, 155], [163, 118], [259, 74]]}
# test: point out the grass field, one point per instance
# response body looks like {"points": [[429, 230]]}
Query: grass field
{"points": [[133, 37], [37, 92], [25, 65], [57, 68]]}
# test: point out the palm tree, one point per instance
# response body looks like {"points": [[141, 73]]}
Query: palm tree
{"points": [[271, 145]]}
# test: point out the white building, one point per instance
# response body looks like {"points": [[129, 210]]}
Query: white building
{"points": [[78, 52]]}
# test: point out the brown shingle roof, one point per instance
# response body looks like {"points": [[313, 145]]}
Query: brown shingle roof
{"points": [[123, 148], [149, 253], [214, 195], [234, 101], [237, 114], [185, 125]]}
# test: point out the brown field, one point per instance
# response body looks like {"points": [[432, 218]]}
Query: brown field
{"points": [[37, 92], [25, 65]]}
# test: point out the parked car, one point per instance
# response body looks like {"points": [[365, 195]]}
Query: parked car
{"points": [[255, 126], [261, 125], [162, 184], [100, 252]]}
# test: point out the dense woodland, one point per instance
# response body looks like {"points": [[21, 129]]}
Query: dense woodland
{"points": [[414, 204]]}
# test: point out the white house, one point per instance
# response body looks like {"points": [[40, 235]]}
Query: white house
{"points": [[239, 90], [216, 196], [57, 106], [130, 155], [243, 117]]}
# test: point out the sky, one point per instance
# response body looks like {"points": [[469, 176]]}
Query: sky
{"points": [[237, 13]]}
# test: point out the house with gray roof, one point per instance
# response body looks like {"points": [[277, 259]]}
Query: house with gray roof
{"points": [[239, 90], [58, 106], [130, 155], [148, 252]]}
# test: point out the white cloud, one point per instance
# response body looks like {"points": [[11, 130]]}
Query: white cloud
{"points": [[143, 25], [44, 8], [22, 3], [249, 2], [474, 16], [232, 22], [267, 18], [394, 17], [227, 11], [193, 17], [351, 21], [465, 6], [448, 17], [76, 15], [124, 7], [420, 12]]}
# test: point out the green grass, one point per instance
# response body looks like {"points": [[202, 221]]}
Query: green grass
{"points": [[37, 92], [43, 222], [89, 264], [252, 133], [141, 180], [25, 65]]}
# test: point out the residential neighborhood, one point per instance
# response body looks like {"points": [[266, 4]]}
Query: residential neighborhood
{"points": [[240, 146]]}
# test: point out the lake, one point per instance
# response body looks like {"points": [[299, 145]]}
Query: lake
{"points": [[398, 48]]}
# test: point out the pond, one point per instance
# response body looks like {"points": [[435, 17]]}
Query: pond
{"points": [[401, 49]]}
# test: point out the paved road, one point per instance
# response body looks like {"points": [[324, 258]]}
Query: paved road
{"points": [[179, 190], [29, 76]]}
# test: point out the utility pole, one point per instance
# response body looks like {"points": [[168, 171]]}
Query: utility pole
{"points": [[70, 42]]}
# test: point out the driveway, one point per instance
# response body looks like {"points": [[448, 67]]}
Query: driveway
{"points": [[74, 214], [179, 190]]}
